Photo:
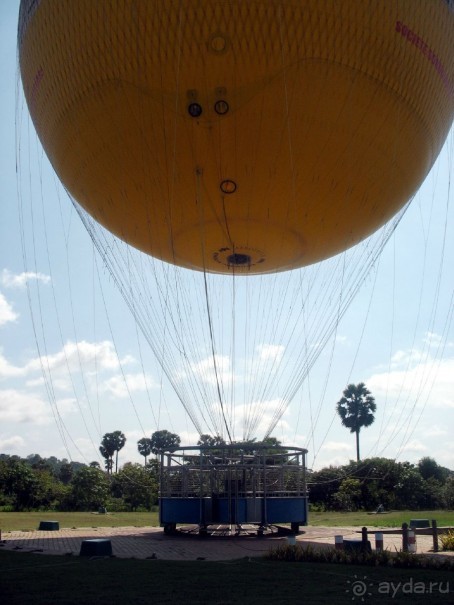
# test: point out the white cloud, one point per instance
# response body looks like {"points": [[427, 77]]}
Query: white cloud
{"points": [[206, 371], [74, 358], [416, 378], [414, 446], [7, 313], [257, 417], [17, 406], [210, 370], [269, 352], [444, 455], [408, 359], [188, 437], [11, 280], [130, 453], [121, 386], [298, 440], [7, 370], [337, 446], [11, 444], [433, 339], [322, 462], [85, 450], [435, 431], [77, 356]]}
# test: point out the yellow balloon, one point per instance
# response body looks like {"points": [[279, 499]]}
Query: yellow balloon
{"points": [[240, 136]]}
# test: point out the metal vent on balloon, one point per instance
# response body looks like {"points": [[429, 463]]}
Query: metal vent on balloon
{"points": [[239, 258], [195, 110], [228, 186], [221, 107]]}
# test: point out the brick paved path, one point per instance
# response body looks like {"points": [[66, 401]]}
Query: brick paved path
{"points": [[150, 542]]}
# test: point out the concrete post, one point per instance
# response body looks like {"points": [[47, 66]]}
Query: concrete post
{"points": [[411, 540], [405, 537]]}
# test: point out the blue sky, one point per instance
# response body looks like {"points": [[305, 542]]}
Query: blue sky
{"points": [[100, 375]]}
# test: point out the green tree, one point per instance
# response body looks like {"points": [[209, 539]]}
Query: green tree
{"points": [[448, 493], [378, 478], [35, 461], [348, 497], [107, 454], [90, 488], [111, 444], [49, 491], [66, 473], [206, 439], [215, 441], [153, 470], [431, 494], [323, 484], [356, 409], [164, 440], [136, 486], [273, 449], [18, 483], [272, 453], [409, 488], [144, 447], [428, 468]]}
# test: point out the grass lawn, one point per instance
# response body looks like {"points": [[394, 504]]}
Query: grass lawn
{"points": [[28, 579], [391, 519], [34, 579], [30, 521]]}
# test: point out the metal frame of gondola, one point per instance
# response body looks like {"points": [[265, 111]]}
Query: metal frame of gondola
{"points": [[231, 489]]}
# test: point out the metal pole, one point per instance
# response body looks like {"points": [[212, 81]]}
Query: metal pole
{"points": [[435, 534], [201, 511], [265, 512]]}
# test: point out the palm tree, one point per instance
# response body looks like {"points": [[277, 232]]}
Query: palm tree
{"points": [[356, 409], [144, 447], [111, 444], [164, 440], [210, 440], [119, 440], [107, 452]]}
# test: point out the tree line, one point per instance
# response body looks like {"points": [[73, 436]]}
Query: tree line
{"points": [[372, 482], [36, 483]]}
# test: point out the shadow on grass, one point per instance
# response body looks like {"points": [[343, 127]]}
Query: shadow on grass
{"points": [[28, 579]]}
